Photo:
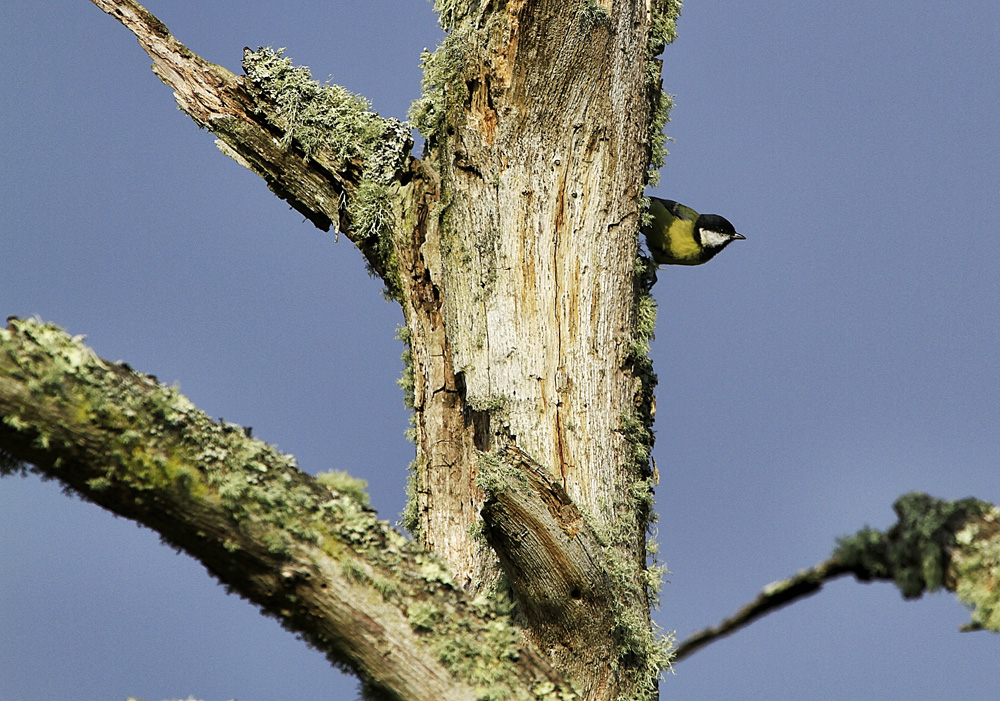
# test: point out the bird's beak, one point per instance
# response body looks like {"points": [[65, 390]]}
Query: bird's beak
{"points": [[739, 236]]}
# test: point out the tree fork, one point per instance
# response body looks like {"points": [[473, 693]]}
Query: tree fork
{"points": [[511, 248]]}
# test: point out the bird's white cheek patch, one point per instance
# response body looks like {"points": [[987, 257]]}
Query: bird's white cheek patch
{"points": [[712, 239]]}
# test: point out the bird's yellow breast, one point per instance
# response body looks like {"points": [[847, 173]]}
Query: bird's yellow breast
{"points": [[681, 242]]}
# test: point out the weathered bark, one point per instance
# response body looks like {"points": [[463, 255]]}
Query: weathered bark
{"points": [[520, 298], [533, 252]]}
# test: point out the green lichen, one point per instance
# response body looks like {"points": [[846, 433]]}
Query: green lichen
{"points": [[653, 577], [406, 380], [477, 531], [388, 587], [423, 616], [645, 313], [441, 84], [643, 653], [96, 397], [497, 403], [371, 212], [663, 31], [494, 475], [638, 427], [451, 12], [320, 119], [976, 566], [640, 438], [410, 518], [660, 116], [664, 25], [336, 127], [916, 551], [353, 571], [342, 482], [482, 657], [547, 691], [590, 13]]}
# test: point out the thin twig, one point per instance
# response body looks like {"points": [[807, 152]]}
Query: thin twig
{"points": [[771, 598]]}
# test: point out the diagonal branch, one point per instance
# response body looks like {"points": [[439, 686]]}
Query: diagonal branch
{"points": [[555, 563], [566, 578], [315, 558], [358, 181], [773, 597]]}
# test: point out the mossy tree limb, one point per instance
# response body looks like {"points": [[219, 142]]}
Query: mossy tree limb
{"points": [[317, 147], [316, 559], [936, 544]]}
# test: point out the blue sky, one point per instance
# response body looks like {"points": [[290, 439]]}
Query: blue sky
{"points": [[845, 354]]}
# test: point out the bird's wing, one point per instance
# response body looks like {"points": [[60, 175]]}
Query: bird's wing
{"points": [[680, 211], [660, 218]]}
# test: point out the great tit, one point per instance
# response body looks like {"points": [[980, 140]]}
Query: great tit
{"points": [[678, 235]]}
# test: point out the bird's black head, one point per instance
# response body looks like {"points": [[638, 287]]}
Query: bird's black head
{"points": [[716, 232]]}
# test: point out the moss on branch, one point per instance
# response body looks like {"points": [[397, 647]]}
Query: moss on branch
{"points": [[935, 544], [307, 551], [338, 130]]}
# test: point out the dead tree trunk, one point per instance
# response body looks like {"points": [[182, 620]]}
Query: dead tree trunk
{"points": [[519, 287]]}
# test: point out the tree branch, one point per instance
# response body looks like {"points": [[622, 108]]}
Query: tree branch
{"points": [[773, 597], [567, 580], [314, 558], [355, 176], [549, 551], [936, 544]]}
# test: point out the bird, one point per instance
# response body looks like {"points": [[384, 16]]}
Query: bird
{"points": [[678, 235]]}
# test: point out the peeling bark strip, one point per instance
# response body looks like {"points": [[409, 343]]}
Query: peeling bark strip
{"points": [[316, 559]]}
